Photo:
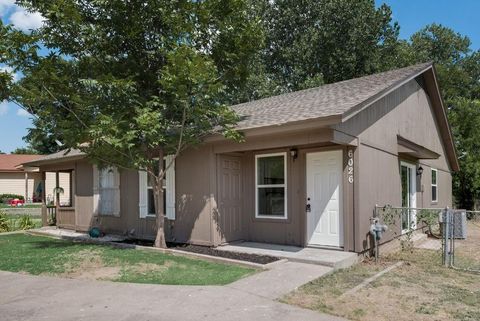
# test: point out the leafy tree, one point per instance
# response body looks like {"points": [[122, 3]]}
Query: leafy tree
{"points": [[458, 71], [43, 138], [464, 117], [128, 82], [24, 150], [312, 42]]}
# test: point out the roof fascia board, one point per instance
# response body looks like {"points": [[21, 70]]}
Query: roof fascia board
{"points": [[290, 127], [452, 156], [53, 161]]}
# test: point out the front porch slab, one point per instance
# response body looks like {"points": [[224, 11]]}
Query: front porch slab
{"points": [[331, 258]]}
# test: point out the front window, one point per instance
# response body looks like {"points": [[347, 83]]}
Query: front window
{"points": [[150, 196], [107, 187], [271, 185], [434, 185]]}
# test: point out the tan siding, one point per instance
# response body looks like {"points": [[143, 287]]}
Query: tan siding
{"points": [[194, 196], [406, 112]]}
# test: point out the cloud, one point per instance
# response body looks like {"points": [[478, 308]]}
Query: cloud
{"points": [[26, 21], [3, 108], [6, 5], [23, 113]]}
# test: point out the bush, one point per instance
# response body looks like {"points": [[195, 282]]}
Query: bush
{"points": [[26, 223], [4, 198], [4, 222]]}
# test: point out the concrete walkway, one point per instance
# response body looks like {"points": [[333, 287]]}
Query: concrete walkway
{"points": [[282, 278], [332, 258], [28, 298]]}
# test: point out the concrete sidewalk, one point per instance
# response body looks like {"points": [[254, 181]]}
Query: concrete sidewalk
{"points": [[25, 297], [282, 278]]}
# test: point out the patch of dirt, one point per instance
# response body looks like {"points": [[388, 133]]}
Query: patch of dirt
{"points": [[254, 258], [421, 289], [467, 254], [88, 264]]}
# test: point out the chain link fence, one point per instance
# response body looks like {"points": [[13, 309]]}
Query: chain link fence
{"points": [[453, 234]]}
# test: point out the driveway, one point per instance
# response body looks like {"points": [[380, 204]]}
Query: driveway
{"points": [[26, 297]]}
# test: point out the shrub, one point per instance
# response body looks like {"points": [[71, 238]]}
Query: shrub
{"points": [[4, 198], [26, 223], [4, 222]]}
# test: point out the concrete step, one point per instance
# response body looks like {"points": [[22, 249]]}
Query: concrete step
{"points": [[331, 258]]}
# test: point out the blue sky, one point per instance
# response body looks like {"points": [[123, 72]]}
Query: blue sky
{"points": [[460, 15]]}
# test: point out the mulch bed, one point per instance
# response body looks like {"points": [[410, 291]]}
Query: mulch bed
{"points": [[254, 258]]}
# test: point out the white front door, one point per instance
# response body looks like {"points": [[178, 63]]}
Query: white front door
{"points": [[324, 198]]}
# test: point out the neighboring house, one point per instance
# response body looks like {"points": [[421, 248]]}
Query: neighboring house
{"points": [[313, 166], [27, 181], [14, 179]]}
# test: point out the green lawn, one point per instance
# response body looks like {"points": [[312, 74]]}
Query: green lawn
{"points": [[43, 255]]}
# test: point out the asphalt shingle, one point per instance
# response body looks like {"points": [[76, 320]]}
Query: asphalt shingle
{"points": [[328, 100]]}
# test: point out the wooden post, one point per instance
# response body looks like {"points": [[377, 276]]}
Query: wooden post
{"points": [[57, 185], [26, 187], [44, 200]]}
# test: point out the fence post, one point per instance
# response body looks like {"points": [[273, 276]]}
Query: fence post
{"points": [[445, 237]]}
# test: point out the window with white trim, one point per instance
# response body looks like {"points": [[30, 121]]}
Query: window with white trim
{"points": [[271, 186], [434, 185], [108, 191], [146, 195]]}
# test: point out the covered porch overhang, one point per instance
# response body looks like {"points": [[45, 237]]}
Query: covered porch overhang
{"points": [[264, 140]]}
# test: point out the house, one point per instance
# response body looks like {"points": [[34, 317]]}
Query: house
{"points": [[25, 181], [16, 180], [314, 165]]}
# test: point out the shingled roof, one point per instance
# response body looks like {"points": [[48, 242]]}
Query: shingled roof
{"points": [[12, 162], [69, 154], [336, 99]]}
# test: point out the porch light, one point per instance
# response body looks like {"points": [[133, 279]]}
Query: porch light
{"points": [[294, 153], [419, 171]]}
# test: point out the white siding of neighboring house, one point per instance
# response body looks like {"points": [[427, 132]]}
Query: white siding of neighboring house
{"points": [[14, 183]]}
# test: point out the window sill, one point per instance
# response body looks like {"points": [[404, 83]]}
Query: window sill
{"points": [[272, 219], [149, 216], [67, 208]]}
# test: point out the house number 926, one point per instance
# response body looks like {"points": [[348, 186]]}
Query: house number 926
{"points": [[350, 166]]}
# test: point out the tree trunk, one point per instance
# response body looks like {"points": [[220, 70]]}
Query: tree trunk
{"points": [[159, 210]]}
